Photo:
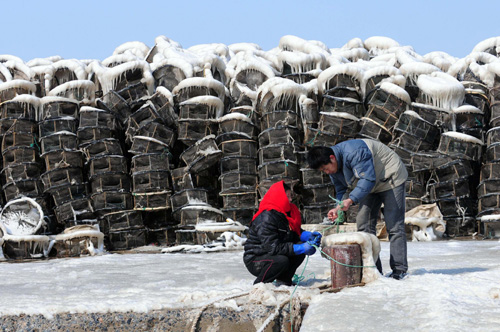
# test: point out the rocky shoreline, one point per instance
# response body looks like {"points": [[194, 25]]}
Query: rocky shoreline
{"points": [[246, 318]]}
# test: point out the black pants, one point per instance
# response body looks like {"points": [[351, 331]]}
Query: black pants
{"points": [[267, 268]]}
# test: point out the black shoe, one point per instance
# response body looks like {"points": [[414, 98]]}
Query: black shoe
{"points": [[278, 283], [398, 275]]}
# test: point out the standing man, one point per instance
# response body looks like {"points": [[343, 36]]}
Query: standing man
{"points": [[375, 175]]}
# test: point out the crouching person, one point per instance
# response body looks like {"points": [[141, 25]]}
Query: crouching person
{"points": [[276, 244]]}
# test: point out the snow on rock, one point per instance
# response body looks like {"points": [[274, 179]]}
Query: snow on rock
{"points": [[370, 249]]}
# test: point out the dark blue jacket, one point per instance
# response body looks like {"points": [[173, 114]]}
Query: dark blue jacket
{"points": [[366, 166]]}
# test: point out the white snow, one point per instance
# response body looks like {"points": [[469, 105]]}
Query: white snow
{"points": [[342, 115], [235, 116], [209, 83], [467, 109], [414, 114], [387, 71], [397, 91], [245, 61], [490, 217], [297, 44], [5, 73], [441, 90], [27, 99], [353, 54], [345, 69], [493, 42], [442, 60], [18, 84], [19, 66], [281, 88], [452, 286], [303, 62], [76, 66], [463, 137], [215, 104], [379, 44], [370, 249], [146, 138], [412, 70], [136, 48], [109, 77], [83, 86], [54, 99]]}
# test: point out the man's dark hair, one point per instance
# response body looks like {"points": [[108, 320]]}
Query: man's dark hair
{"points": [[287, 187], [318, 156]]}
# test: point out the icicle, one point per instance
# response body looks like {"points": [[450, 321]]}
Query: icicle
{"points": [[201, 82], [413, 70], [294, 43], [75, 66], [441, 90], [17, 84], [345, 69]]}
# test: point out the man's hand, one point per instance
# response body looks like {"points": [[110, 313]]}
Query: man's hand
{"points": [[346, 204], [333, 213]]}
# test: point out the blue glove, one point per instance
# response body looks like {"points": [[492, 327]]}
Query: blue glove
{"points": [[304, 248], [316, 238], [305, 236]]}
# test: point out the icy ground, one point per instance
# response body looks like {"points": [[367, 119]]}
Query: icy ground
{"points": [[452, 286]]}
